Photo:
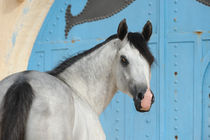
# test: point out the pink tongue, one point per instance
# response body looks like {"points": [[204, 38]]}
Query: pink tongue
{"points": [[146, 101]]}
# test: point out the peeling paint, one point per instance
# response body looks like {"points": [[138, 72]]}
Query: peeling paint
{"points": [[73, 41], [198, 32], [14, 36], [13, 40], [25, 10]]}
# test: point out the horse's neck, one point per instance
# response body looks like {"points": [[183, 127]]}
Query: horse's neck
{"points": [[92, 76]]}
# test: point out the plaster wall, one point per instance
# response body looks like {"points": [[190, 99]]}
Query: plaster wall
{"points": [[20, 22]]}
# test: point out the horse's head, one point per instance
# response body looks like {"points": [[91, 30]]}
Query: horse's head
{"points": [[133, 68]]}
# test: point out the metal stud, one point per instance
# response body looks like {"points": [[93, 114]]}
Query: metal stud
{"points": [[150, 4], [117, 138], [148, 121], [38, 64]]}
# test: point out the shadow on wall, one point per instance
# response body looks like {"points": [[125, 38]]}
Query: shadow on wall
{"points": [[9, 6]]}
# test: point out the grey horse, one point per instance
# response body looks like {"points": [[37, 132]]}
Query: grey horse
{"points": [[65, 103]]}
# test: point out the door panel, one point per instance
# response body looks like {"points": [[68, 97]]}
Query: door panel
{"points": [[180, 44]]}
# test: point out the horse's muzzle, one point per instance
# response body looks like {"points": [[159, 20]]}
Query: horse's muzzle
{"points": [[144, 101]]}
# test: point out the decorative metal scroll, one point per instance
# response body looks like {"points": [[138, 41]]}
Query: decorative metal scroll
{"points": [[93, 11], [206, 2]]}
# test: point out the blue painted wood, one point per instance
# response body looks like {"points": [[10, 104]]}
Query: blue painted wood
{"points": [[206, 104], [180, 75], [179, 97]]}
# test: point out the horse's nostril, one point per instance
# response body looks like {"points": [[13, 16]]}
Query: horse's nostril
{"points": [[140, 96]]}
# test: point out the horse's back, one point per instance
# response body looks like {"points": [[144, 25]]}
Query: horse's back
{"points": [[51, 114]]}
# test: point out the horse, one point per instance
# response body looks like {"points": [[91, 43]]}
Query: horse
{"points": [[65, 103]]}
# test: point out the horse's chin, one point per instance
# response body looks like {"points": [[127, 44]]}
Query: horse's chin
{"points": [[140, 109]]}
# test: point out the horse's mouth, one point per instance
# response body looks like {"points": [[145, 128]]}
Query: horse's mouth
{"points": [[140, 109]]}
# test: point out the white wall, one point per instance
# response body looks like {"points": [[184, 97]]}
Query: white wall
{"points": [[20, 22]]}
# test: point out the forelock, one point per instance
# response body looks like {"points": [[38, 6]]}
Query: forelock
{"points": [[138, 41]]}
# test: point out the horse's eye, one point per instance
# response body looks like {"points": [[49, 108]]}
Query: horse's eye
{"points": [[123, 60]]}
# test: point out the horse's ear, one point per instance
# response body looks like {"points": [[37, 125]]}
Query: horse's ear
{"points": [[122, 29], [147, 30]]}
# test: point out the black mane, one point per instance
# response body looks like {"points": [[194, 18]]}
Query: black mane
{"points": [[70, 61], [136, 39]]}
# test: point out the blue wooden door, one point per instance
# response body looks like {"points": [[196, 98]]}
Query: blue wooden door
{"points": [[180, 75]]}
